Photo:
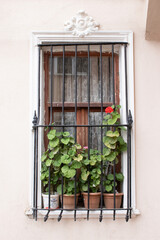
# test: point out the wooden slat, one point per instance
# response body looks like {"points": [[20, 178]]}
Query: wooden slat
{"points": [[82, 132], [81, 54], [81, 105]]}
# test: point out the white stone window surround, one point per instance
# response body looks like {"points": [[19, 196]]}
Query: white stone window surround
{"points": [[99, 36]]}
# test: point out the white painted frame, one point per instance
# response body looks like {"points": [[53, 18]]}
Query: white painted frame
{"points": [[99, 36]]}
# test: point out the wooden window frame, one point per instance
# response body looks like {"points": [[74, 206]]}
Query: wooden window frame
{"points": [[82, 107], [69, 107]]}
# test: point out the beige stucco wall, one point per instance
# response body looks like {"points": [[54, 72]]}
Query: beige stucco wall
{"points": [[17, 20]]}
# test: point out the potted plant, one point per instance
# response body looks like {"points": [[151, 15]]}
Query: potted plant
{"points": [[115, 145], [70, 160], [109, 189], [63, 159], [91, 169], [54, 196]]}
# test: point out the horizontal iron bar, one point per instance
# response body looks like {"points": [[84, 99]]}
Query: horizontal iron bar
{"points": [[81, 43], [81, 125], [81, 209], [79, 104]]}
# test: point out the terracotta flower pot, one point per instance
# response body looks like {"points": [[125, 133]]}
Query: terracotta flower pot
{"points": [[109, 200], [68, 201], [94, 200]]}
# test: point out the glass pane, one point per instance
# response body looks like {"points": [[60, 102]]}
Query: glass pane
{"points": [[68, 119], [95, 136], [82, 79]]}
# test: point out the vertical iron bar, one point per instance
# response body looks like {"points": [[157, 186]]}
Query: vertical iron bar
{"points": [[114, 211], [63, 99], [110, 90], [130, 203], [63, 86], [101, 80], [75, 127], [51, 85], [49, 186], [88, 88], [126, 84], [127, 214], [114, 172], [75, 92], [130, 179], [34, 166], [36, 187], [113, 74], [34, 175], [128, 136], [51, 113], [38, 107]]}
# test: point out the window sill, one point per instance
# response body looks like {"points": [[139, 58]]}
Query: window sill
{"points": [[120, 214]]}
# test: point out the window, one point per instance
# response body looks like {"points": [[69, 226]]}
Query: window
{"points": [[63, 102], [82, 78]]}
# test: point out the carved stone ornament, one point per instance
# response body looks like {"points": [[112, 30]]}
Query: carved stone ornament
{"points": [[81, 24]]}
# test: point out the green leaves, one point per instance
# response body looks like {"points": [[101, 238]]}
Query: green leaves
{"points": [[78, 158], [68, 172], [110, 177], [51, 135], [123, 147], [66, 159], [120, 140], [66, 134], [86, 161], [58, 134], [106, 151], [84, 175], [59, 189], [48, 162], [109, 182], [65, 141], [54, 143], [44, 157], [110, 142], [72, 152], [72, 140], [51, 154], [111, 157], [85, 188], [76, 165], [119, 177], [108, 188], [112, 134], [113, 120], [55, 150], [57, 162], [78, 146]]}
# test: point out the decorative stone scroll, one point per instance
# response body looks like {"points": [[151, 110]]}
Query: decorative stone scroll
{"points": [[81, 24]]}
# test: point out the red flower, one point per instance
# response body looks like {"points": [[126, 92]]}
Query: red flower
{"points": [[109, 110]]}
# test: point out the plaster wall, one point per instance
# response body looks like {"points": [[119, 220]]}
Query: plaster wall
{"points": [[18, 19]]}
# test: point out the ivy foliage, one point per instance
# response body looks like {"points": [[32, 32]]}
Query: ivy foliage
{"points": [[114, 146], [91, 168], [109, 181], [63, 158]]}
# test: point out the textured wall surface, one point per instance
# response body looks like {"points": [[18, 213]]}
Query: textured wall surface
{"points": [[18, 19]]}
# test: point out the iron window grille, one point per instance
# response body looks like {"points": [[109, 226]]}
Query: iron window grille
{"points": [[37, 125]]}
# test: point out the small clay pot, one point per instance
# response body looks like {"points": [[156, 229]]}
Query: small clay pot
{"points": [[109, 200], [94, 200], [68, 201]]}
